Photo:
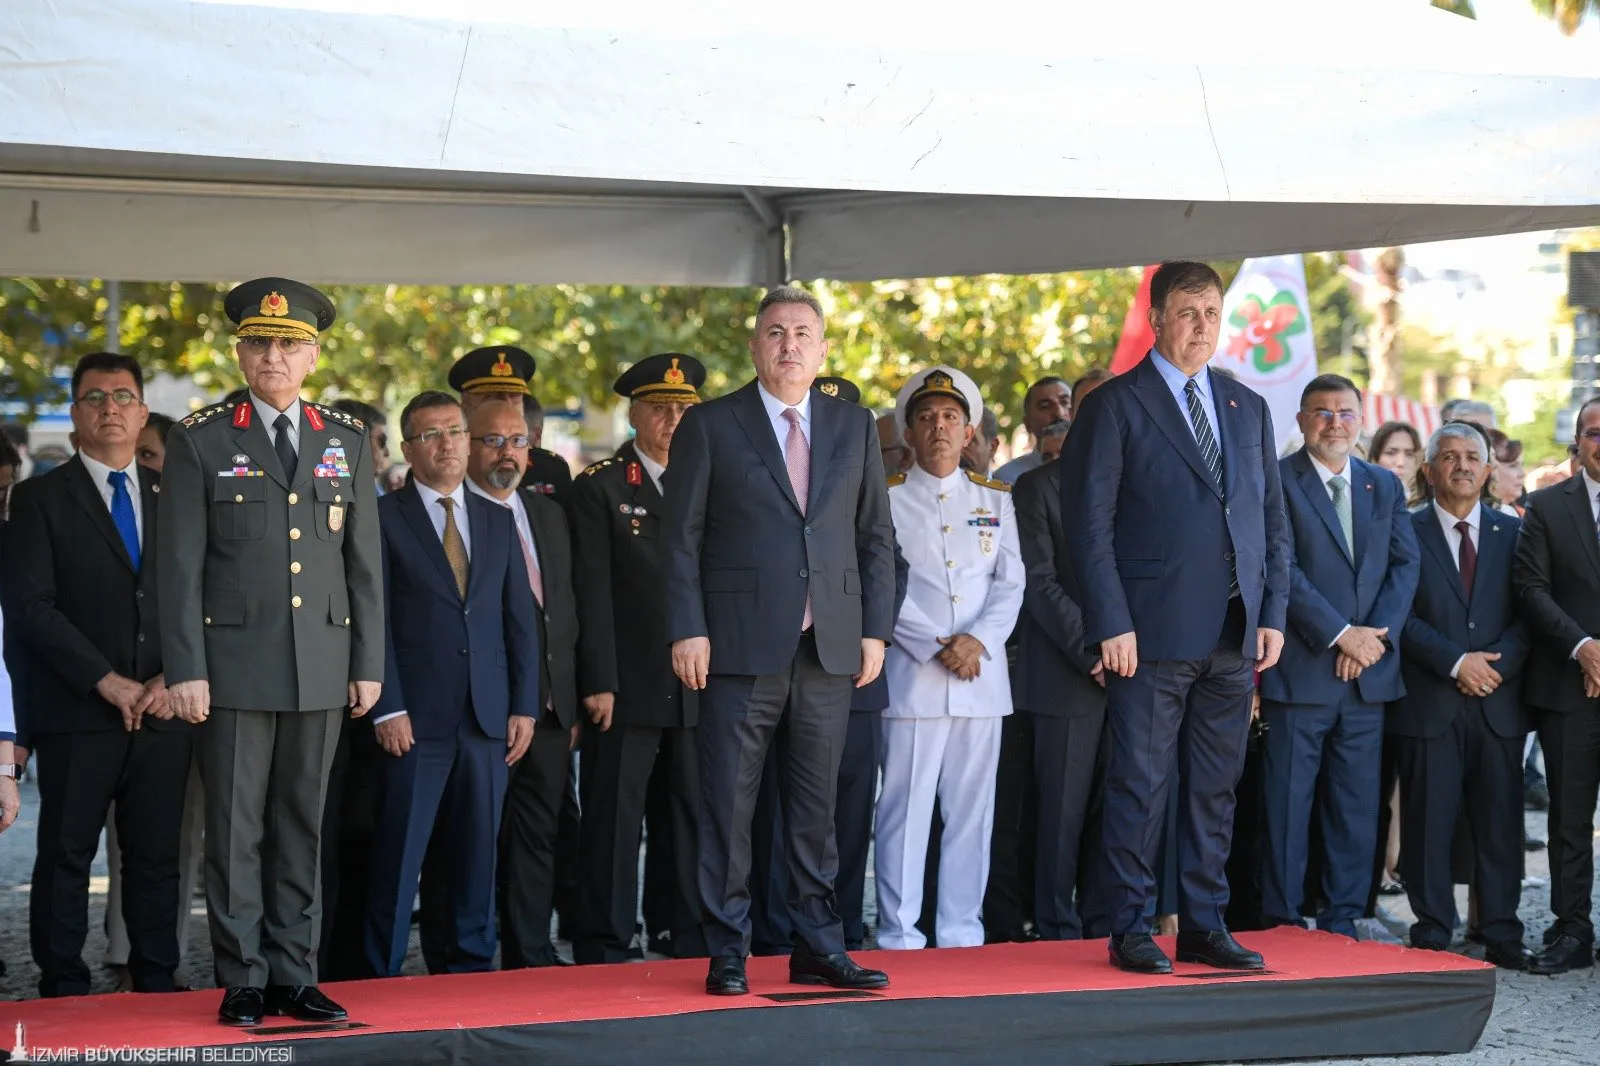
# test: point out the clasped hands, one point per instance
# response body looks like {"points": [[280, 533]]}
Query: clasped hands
{"points": [[135, 700], [962, 655], [1359, 647]]}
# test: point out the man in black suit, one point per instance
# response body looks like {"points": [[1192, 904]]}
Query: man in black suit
{"points": [[1558, 579], [80, 588], [1458, 729], [641, 717], [525, 873], [780, 599], [1062, 684]]}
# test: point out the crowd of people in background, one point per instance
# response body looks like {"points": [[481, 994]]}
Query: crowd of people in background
{"points": [[341, 695]]}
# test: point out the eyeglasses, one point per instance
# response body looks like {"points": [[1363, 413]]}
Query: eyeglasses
{"points": [[96, 398], [435, 435], [1591, 435], [496, 441], [1349, 418], [262, 345]]}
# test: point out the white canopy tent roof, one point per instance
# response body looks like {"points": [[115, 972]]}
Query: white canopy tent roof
{"points": [[371, 141]]}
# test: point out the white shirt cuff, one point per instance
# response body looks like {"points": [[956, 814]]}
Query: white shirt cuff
{"points": [[1335, 640], [385, 718], [1456, 669], [1579, 646]]}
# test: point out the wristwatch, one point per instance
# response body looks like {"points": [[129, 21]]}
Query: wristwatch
{"points": [[10, 769]]}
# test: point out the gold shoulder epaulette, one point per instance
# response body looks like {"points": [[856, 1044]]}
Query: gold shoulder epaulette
{"points": [[205, 414], [341, 417], [987, 482], [595, 468], [897, 478]]}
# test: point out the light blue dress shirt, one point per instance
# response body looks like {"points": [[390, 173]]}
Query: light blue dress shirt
{"points": [[1176, 380]]}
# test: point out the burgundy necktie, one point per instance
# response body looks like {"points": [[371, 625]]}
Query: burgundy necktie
{"points": [[1467, 558], [797, 457]]}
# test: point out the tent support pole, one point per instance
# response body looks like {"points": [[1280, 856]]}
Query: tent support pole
{"points": [[776, 242]]}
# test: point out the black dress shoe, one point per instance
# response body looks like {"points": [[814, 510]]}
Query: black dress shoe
{"points": [[1218, 948], [1024, 934], [1536, 797], [837, 970], [1507, 954], [303, 1002], [241, 1006], [1565, 953], [727, 977], [1532, 843], [1138, 953]]}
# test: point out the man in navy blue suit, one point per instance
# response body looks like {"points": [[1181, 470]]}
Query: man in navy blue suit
{"points": [[1176, 531], [1351, 580], [1458, 730], [461, 689]]}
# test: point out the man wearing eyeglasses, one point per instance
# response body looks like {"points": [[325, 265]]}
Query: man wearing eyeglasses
{"points": [[497, 459], [1352, 577], [272, 630], [1557, 578], [460, 695], [80, 579]]}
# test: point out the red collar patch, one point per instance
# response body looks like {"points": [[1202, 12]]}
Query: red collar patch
{"points": [[635, 474], [313, 417], [241, 415]]}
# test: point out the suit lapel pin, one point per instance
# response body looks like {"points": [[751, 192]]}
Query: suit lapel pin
{"points": [[1494, 529]]}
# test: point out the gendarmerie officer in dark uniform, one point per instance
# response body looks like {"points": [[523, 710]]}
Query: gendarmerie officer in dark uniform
{"points": [[503, 372], [639, 712], [272, 629]]}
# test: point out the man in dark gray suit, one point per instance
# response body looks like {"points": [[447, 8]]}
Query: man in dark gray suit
{"points": [[780, 597], [272, 625]]}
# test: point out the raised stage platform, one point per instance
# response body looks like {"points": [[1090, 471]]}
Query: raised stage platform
{"points": [[1322, 996]]}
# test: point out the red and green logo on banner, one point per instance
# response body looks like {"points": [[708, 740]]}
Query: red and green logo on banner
{"points": [[1262, 330]]}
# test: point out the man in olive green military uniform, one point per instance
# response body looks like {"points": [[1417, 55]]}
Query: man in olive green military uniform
{"points": [[272, 626]]}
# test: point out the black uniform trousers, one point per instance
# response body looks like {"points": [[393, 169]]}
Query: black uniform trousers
{"points": [[1571, 745], [618, 768], [526, 872], [1066, 750], [1008, 898], [80, 774], [1469, 769]]}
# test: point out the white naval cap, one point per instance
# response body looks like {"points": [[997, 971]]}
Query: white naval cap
{"points": [[939, 381]]}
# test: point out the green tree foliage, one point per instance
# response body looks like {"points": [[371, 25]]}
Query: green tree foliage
{"points": [[391, 341], [1568, 14]]}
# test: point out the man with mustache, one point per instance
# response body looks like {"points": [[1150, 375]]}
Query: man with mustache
{"points": [[272, 630], [948, 682], [497, 459], [1457, 732], [1351, 579]]}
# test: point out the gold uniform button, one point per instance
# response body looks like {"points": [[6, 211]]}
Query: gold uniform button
{"points": [[955, 599], [238, 499], [338, 498], [208, 621], [295, 602], [294, 568], [951, 563], [294, 498], [943, 496], [294, 534], [948, 528], [347, 621]]}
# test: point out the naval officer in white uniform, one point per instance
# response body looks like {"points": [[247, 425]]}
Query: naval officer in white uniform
{"points": [[948, 687]]}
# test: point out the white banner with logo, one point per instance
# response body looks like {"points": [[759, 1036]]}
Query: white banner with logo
{"points": [[1266, 338]]}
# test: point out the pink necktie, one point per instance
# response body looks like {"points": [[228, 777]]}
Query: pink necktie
{"points": [[535, 579], [797, 457]]}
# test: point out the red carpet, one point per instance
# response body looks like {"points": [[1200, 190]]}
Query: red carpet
{"points": [[638, 991]]}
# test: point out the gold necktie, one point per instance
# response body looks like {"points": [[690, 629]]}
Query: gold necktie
{"points": [[455, 552]]}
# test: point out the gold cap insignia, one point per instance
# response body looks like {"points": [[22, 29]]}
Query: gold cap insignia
{"points": [[501, 368], [673, 376], [829, 388], [275, 305], [939, 380]]}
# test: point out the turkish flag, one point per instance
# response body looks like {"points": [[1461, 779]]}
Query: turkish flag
{"points": [[1137, 336]]}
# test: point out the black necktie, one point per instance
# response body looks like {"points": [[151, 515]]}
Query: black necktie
{"points": [[284, 447]]}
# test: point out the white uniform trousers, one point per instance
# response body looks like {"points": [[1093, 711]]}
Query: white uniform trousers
{"points": [[954, 759]]}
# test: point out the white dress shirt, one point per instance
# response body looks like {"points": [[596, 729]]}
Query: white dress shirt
{"points": [[1328, 475], [519, 514], [269, 414], [100, 473], [430, 502], [780, 425], [1591, 491], [656, 470], [1447, 522]]}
